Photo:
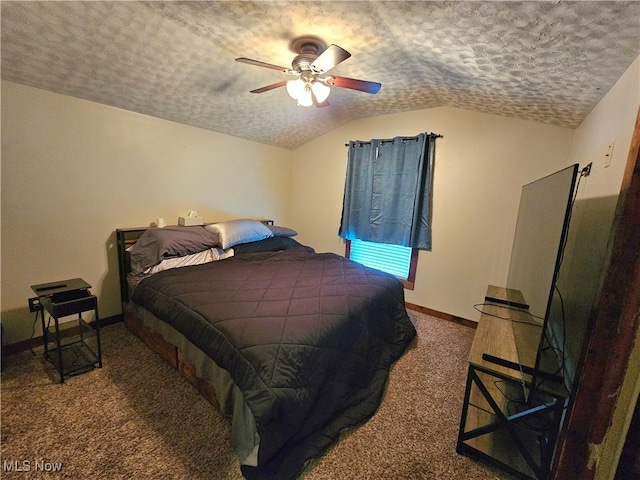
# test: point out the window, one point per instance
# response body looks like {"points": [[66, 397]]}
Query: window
{"points": [[388, 191], [394, 259], [388, 201]]}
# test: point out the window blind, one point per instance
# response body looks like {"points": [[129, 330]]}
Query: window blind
{"points": [[393, 259]]}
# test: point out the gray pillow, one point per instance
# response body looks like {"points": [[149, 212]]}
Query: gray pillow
{"points": [[156, 244], [282, 231], [271, 244]]}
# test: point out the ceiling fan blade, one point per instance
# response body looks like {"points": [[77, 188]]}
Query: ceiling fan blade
{"points": [[262, 64], [269, 87], [328, 59], [353, 84]]}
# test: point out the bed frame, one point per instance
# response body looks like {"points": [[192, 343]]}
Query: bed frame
{"points": [[127, 237], [213, 382]]}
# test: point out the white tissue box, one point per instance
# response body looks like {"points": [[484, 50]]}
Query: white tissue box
{"points": [[190, 221]]}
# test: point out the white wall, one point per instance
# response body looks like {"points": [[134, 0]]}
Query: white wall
{"points": [[73, 171], [481, 164]]}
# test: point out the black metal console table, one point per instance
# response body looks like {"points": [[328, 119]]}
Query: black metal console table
{"points": [[500, 421]]}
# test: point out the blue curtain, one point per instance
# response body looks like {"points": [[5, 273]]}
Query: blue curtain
{"points": [[388, 191]]}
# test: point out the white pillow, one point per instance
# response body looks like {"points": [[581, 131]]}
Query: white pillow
{"points": [[206, 256], [234, 232]]}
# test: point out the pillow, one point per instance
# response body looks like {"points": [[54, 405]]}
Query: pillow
{"points": [[234, 232], [271, 244], [205, 256], [282, 231], [155, 244]]}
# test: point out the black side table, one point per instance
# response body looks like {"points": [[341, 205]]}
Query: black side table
{"points": [[72, 347]]}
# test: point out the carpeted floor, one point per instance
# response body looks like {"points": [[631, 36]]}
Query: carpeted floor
{"points": [[136, 418]]}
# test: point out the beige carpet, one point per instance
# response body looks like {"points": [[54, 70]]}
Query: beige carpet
{"points": [[136, 418]]}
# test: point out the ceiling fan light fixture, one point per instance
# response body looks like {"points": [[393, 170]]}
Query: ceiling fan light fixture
{"points": [[295, 88], [313, 59], [321, 91], [303, 90], [304, 99]]}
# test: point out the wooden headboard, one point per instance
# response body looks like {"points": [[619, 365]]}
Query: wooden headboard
{"points": [[126, 237]]}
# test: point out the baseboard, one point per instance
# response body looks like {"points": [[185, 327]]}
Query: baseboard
{"points": [[442, 315], [37, 341], [34, 342]]}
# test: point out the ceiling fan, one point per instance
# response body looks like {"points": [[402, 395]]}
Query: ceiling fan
{"points": [[311, 87]]}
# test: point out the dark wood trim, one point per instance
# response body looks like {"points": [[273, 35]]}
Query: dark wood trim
{"points": [[442, 315], [613, 326], [35, 342], [410, 282], [347, 248]]}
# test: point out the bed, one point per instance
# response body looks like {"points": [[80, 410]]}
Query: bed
{"points": [[294, 346]]}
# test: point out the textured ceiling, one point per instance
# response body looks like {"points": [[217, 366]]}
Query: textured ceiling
{"points": [[549, 62]]}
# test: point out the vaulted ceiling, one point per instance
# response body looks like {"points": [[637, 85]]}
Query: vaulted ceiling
{"points": [[543, 61]]}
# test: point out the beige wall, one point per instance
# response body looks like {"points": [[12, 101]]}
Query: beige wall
{"points": [[611, 121], [481, 164], [73, 171]]}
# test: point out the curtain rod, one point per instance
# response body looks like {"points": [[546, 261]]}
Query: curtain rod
{"points": [[431, 134]]}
